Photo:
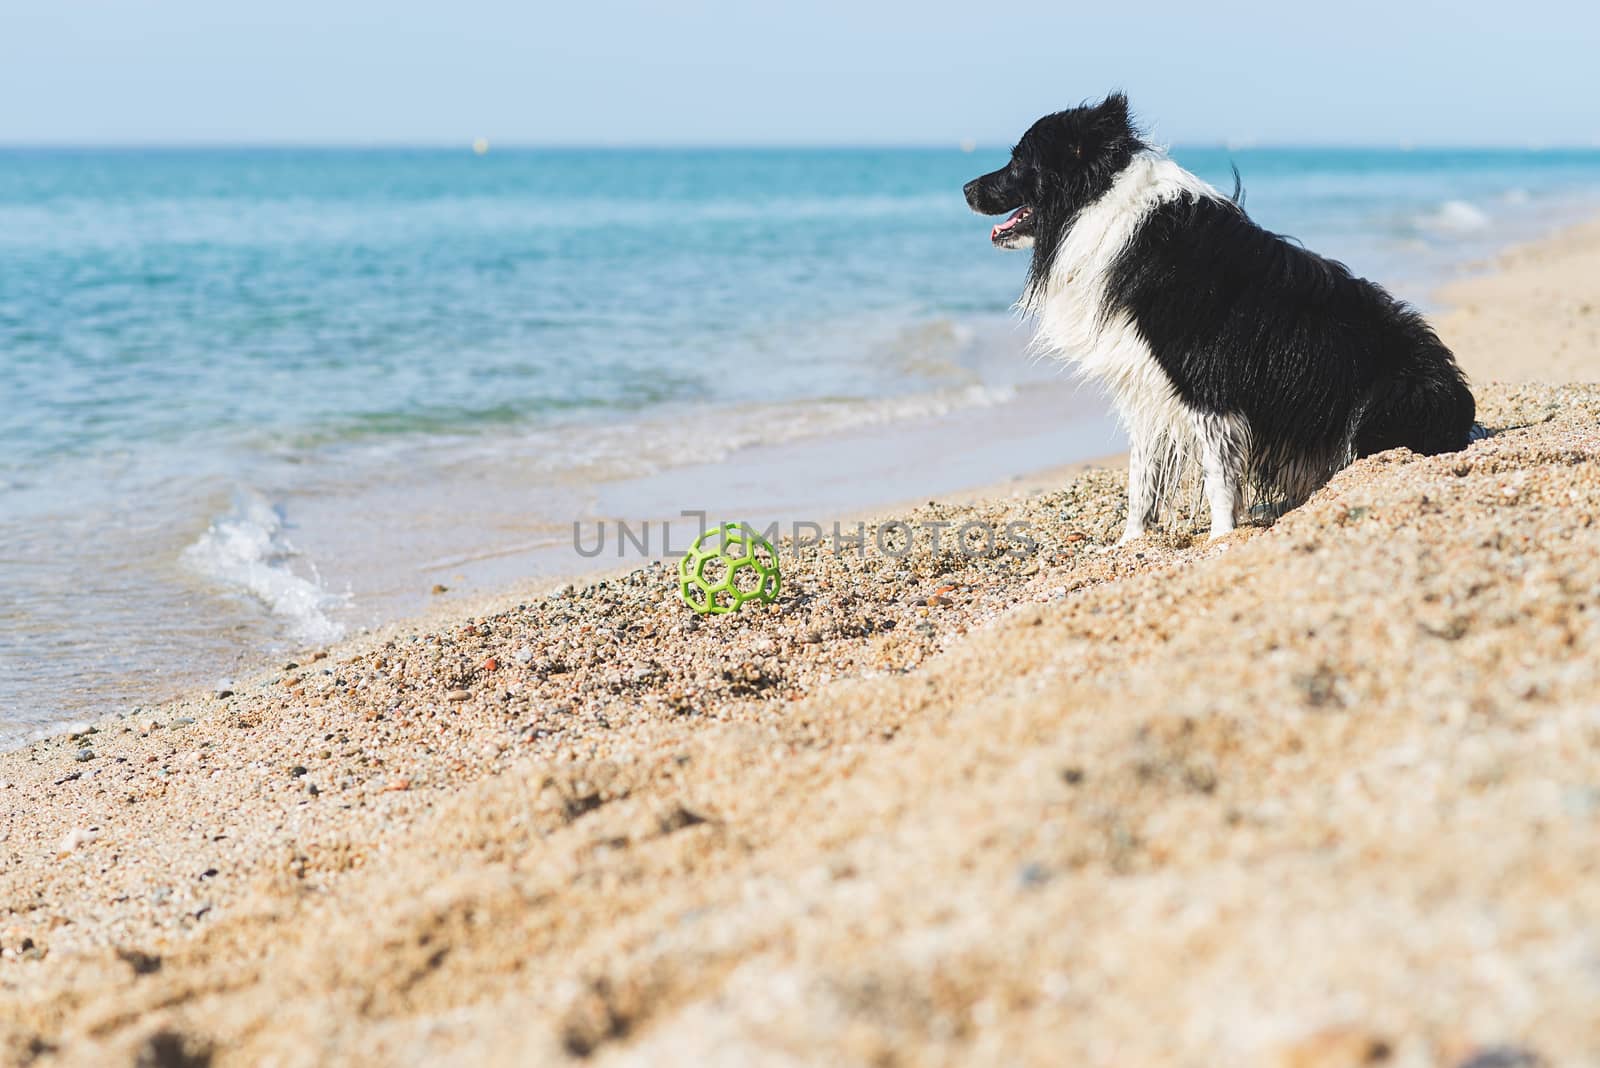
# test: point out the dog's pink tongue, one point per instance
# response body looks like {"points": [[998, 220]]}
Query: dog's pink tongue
{"points": [[1001, 228]]}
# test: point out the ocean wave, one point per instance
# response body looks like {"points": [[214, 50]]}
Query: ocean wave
{"points": [[931, 349], [614, 452], [247, 551], [1456, 217]]}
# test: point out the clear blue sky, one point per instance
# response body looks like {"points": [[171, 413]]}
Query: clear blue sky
{"points": [[1468, 72]]}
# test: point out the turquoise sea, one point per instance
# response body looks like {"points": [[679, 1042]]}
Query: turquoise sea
{"points": [[254, 399]]}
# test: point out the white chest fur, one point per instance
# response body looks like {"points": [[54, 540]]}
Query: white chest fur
{"points": [[1073, 324]]}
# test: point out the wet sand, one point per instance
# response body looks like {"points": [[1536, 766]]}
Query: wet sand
{"points": [[1325, 793]]}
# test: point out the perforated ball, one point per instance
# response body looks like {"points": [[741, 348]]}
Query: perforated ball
{"points": [[726, 568]]}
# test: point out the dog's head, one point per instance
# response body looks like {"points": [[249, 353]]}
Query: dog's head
{"points": [[1062, 164]]}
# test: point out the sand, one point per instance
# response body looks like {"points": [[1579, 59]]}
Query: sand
{"points": [[1536, 317], [1322, 793]]}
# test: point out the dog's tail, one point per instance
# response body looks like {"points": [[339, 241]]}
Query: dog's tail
{"points": [[1426, 408]]}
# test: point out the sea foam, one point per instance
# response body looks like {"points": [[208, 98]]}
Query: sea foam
{"points": [[247, 550], [1456, 217]]}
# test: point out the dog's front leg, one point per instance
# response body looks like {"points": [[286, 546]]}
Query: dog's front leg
{"points": [[1223, 450]]}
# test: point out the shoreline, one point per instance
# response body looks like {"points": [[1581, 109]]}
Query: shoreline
{"points": [[1312, 790], [456, 604]]}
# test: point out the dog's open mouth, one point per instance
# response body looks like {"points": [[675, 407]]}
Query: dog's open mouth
{"points": [[1012, 227]]}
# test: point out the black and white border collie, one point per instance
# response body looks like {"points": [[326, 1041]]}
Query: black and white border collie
{"points": [[1219, 342]]}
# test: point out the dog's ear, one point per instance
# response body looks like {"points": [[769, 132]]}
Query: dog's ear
{"points": [[1113, 110]]}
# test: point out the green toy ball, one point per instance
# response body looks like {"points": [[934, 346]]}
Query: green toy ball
{"points": [[726, 568]]}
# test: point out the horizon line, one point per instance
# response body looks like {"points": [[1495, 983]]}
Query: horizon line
{"points": [[970, 146]]}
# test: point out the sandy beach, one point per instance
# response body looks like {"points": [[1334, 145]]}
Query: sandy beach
{"points": [[1324, 793]]}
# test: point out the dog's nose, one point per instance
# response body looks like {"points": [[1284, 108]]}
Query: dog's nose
{"points": [[971, 190]]}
